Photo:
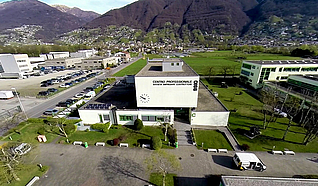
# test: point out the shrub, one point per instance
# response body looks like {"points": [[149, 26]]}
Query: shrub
{"points": [[122, 138], [100, 127], [86, 130], [116, 141], [245, 147], [41, 131], [156, 142], [138, 125]]}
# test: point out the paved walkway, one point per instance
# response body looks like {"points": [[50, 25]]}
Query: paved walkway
{"points": [[183, 133], [226, 131]]}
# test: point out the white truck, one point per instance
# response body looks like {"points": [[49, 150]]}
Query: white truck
{"points": [[6, 94], [248, 161]]}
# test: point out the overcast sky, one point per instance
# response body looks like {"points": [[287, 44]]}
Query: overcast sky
{"points": [[99, 6]]}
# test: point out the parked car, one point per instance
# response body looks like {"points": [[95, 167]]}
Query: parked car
{"points": [[51, 112], [44, 93], [45, 85], [63, 104], [79, 95], [63, 86], [52, 90], [71, 101], [69, 84], [107, 86], [89, 89]]}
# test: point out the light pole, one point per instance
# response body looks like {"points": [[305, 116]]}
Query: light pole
{"points": [[22, 108]]}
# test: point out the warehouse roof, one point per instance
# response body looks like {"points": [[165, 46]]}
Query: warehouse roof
{"points": [[261, 181]]}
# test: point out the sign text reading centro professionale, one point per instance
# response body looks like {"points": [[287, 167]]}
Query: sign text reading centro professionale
{"points": [[171, 82]]}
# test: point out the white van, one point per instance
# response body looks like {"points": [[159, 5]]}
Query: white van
{"points": [[248, 161]]}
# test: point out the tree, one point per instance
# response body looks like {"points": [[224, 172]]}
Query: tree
{"points": [[156, 142], [9, 163], [138, 124], [270, 100], [162, 162], [210, 71], [312, 129], [294, 109], [225, 70]]}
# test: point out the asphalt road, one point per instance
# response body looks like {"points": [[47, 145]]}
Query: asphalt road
{"points": [[37, 110]]}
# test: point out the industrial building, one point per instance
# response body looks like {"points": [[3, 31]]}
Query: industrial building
{"points": [[69, 62], [14, 65], [83, 53], [255, 73], [97, 62], [165, 89]]}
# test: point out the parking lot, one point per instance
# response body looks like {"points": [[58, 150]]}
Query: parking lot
{"points": [[30, 87]]}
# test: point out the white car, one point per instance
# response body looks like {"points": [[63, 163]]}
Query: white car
{"points": [[64, 86], [279, 112], [79, 95]]}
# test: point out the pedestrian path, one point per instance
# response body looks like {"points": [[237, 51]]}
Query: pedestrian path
{"points": [[183, 133]]}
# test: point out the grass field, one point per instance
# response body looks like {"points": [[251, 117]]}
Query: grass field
{"points": [[201, 62], [211, 139], [157, 179], [26, 173], [249, 114], [132, 137], [135, 67]]}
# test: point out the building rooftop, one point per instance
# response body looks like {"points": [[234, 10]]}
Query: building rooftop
{"points": [[207, 101], [261, 181], [312, 80], [59, 59], [154, 69], [123, 97], [95, 58], [284, 62]]}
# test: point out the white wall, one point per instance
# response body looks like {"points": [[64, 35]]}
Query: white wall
{"points": [[210, 118], [151, 93], [92, 116]]}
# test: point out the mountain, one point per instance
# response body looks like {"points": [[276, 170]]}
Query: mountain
{"points": [[32, 12], [86, 16], [206, 15]]}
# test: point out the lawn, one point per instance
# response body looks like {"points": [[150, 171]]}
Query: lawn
{"points": [[26, 173], [200, 62], [156, 179], [136, 66], [132, 137], [28, 131], [249, 113], [211, 139]]}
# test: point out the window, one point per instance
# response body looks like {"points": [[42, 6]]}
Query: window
{"points": [[244, 72], [177, 64], [58, 62], [252, 74], [23, 66], [284, 77], [312, 69], [172, 64], [253, 67], [21, 61], [95, 61], [85, 61], [280, 69], [127, 118], [1, 69], [148, 118], [247, 66], [277, 78], [156, 118], [106, 117]]}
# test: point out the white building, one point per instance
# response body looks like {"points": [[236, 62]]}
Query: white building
{"points": [[14, 65], [255, 73], [36, 61], [97, 62], [83, 53], [164, 89], [55, 55], [65, 62]]}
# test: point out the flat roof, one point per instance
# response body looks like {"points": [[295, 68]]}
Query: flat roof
{"points": [[283, 62], [59, 59], [207, 101], [261, 181], [312, 80], [154, 69], [123, 97], [95, 57]]}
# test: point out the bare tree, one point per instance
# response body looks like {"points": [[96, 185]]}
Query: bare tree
{"points": [[312, 130], [210, 71], [9, 163], [294, 107], [225, 70], [270, 100], [116, 169], [162, 162]]}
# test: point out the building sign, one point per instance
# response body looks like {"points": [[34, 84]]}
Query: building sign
{"points": [[172, 82], [195, 85]]}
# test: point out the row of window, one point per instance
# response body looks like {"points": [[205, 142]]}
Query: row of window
{"points": [[20, 66], [92, 62], [21, 61], [105, 117], [177, 64]]}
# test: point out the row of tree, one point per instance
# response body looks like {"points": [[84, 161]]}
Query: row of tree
{"points": [[301, 111]]}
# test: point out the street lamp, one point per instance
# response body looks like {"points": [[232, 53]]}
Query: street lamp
{"points": [[22, 108]]}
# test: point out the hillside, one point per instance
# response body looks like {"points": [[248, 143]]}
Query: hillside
{"points": [[32, 12], [84, 15], [206, 15]]}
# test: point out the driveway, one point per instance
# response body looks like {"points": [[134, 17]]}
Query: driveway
{"points": [[75, 165]]}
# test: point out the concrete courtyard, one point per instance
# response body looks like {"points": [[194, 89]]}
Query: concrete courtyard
{"points": [[75, 165]]}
